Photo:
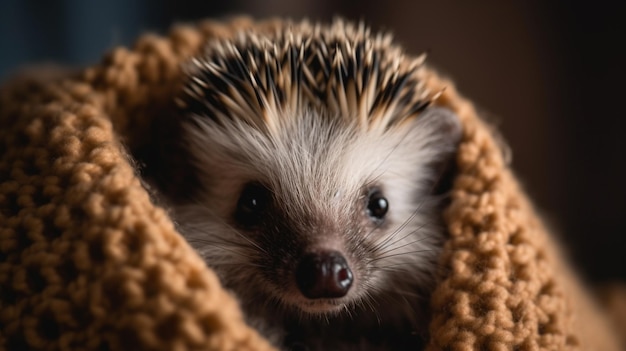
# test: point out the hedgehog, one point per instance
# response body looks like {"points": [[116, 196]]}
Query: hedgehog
{"points": [[321, 160]]}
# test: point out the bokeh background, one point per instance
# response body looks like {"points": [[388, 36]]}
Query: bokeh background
{"points": [[550, 74]]}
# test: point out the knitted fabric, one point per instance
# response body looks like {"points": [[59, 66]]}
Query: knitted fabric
{"points": [[89, 262]]}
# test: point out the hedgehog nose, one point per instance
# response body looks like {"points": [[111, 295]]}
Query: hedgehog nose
{"points": [[323, 275]]}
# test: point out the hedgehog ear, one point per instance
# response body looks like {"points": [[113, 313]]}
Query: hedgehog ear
{"points": [[444, 125], [445, 133]]}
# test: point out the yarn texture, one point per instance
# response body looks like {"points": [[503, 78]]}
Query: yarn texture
{"points": [[88, 261]]}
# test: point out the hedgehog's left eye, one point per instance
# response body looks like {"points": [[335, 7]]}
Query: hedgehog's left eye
{"points": [[377, 205], [253, 201]]}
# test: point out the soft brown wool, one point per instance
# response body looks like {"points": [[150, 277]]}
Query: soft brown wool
{"points": [[87, 261]]}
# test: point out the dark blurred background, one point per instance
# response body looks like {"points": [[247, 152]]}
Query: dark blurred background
{"points": [[550, 74]]}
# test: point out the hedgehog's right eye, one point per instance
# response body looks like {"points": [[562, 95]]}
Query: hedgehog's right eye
{"points": [[377, 205], [253, 201]]}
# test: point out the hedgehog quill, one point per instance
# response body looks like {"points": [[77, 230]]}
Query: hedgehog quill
{"points": [[319, 155]]}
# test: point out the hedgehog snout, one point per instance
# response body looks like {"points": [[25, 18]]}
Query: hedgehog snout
{"points": [[323, 274]]}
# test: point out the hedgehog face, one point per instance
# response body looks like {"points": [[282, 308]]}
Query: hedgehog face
{"points": [[316, 215], [318, 160]]}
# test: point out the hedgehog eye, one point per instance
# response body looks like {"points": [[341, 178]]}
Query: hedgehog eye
{"points": [[377, 205], [253, 201]]}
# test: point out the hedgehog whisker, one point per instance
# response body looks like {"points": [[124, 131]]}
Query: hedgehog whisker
{"points": [[222, 243], [398, 254], [397, 230], [387, 242], [400, 228], [417, 230], [402, 246], [240, 264], [368, 300], [231, 249], [230, 227]]}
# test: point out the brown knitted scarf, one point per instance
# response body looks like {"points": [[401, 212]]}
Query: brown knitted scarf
{"points": [[88, 262]]}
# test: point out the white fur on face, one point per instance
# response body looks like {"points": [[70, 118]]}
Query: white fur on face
{"points": [[318, 169]]}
